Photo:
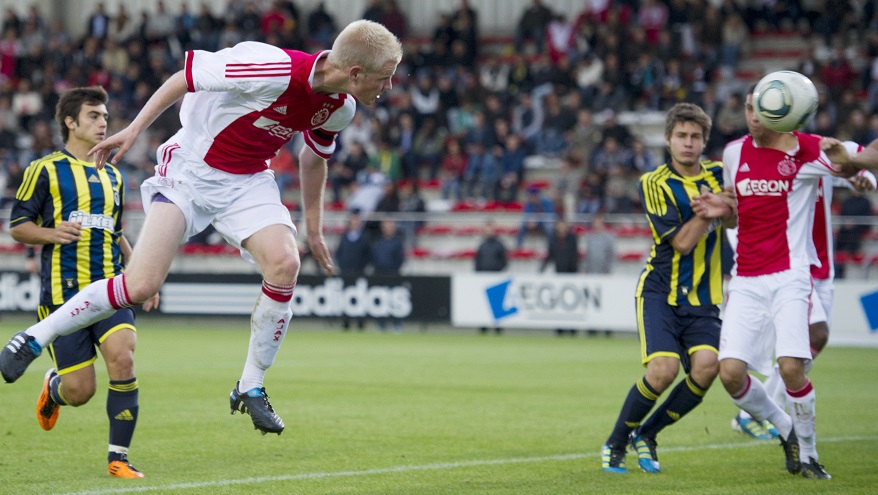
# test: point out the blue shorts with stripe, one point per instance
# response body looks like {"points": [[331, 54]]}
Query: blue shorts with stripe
{"points": [[79, 349], [675, 331]]}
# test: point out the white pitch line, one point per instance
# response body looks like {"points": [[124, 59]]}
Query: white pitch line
{"points": [[428, 467]]}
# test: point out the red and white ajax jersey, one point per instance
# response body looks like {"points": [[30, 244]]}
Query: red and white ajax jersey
{"points": [[247, 101], [776, 193]]}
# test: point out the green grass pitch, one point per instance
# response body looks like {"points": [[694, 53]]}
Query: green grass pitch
{"points": [[435, 412]]}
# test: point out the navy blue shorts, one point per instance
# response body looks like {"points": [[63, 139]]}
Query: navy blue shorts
{"points": [[675, 331], [79, 349]]}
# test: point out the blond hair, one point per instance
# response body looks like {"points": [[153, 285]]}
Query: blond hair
{"points": [[367, 44]]}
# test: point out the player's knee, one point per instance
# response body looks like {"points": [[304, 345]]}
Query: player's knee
{"points": [[121, 364], [792, 371], [819, 333], [732, 377], [661, 375], [77, 394], [282, 269]]}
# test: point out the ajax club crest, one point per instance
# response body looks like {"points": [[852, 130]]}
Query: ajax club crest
{"points": [[320, 117]]}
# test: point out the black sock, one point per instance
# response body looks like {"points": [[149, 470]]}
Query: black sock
{"points": [[641, 398], [122, 411], [685, 397]]}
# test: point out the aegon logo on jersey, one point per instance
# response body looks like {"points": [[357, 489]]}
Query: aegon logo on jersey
{"points": [[274, 128], [763, 187], [92, 221]]}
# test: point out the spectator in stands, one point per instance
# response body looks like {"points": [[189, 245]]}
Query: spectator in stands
{"points": [[730, 123], [494, 75], [491, 257], [412, 204], [425, 98], [734, 35], [285, 168], [395, 20], [388, 256], [360, 130], [427, 148], [560, 38], [532, 26], [14, 176], [160, 24], [374, 11], [642, 159], [321, 26], [520, 77], [527, 119], [346, 172], [511, 168], [562, 249], [8, 139], [837, 74], [849, 240], [352, 256], [387, 161], [26, 103], [612, 128], [482, 172], [610, 155], [557, 123], [600, 248], [590, 199], [403, 136], [589, 71], [99, 22], [454, 164], [538, 216]]}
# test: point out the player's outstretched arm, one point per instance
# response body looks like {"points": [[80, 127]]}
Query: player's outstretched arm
{"points": [[846, 164], [172, 90], [312, 171], [867, 157]]}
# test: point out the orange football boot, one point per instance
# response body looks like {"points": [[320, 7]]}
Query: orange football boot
{"points": [[123, 469], [47, 409]]}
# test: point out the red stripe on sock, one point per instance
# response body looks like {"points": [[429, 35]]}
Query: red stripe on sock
{"points": [[814, 352], [110, 295], [801, 392], [117, 293], [743, 391], [280, 293]]}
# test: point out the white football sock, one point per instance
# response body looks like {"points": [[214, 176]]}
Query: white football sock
{"points": [[775, 389], [268, 326], [756, 402], [88, 306], [804, 412]]}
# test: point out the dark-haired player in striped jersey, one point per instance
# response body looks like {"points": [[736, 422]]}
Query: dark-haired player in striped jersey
{"points": [[74, 210], [240, 106], [678, 293]]}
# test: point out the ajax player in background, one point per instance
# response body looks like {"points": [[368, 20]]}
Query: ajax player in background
{"points": [[241, 105]]}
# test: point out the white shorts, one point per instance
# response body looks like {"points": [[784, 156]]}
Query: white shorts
{"points": [[237, 205], [821, 301], [764, 314]]}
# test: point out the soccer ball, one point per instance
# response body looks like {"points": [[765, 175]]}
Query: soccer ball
{"points": [[785, 101]]}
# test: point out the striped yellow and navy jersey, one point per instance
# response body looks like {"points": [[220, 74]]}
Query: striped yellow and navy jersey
{"points": [[57, 188], [694, 279]]}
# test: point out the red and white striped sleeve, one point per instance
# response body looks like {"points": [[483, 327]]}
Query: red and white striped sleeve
{"points": [[249, 67], [321, 140]]}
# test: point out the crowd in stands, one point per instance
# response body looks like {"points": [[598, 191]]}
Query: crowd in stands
{"points": [[458, 118]]}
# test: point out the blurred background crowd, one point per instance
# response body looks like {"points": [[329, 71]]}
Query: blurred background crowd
{"points": [[471, 113]]}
